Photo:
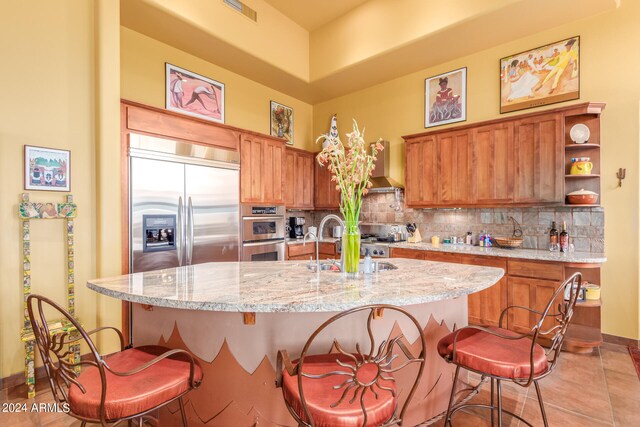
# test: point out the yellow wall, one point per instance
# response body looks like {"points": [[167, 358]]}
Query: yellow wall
{"points": [[246, 102], [48, 100], [608, 73], [273, 38]]}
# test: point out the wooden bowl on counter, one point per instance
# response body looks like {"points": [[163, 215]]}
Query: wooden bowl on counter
{"points": [[509, 242], [582, 197]]}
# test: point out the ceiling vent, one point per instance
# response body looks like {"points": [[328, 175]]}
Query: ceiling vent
{"points": [[238, 6]]}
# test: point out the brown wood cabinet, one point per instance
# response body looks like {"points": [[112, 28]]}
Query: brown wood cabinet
{"points": [[492, 150], [261, 170], [454, 169], [301, 252], [538, 157], [532, 293], [526, 283], [514, 161], [421, 172], [298, 188], [325, 194]]}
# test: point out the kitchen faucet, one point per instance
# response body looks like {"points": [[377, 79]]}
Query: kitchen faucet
{"points": [[304, 243], [321, 230]]}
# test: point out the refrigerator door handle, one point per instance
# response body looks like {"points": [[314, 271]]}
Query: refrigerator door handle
{"points": [[180, 232], [189, 232]]}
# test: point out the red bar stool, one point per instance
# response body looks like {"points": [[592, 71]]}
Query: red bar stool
{"points": [[127, 385], [349, 388], [504, 355]]}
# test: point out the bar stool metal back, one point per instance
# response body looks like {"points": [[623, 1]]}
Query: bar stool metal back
{"points": [[127, 385], [501, 354], [349, 388]]}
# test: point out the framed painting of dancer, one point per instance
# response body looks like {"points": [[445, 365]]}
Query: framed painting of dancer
{"points": [[541, 76], [281, 122], [194, 95], [445, 98]]}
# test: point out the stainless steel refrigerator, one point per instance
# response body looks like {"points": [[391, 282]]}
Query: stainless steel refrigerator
{"points": [[183, 203]]}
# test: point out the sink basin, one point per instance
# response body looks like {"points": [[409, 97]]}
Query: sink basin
{"points": [[329, 266]]}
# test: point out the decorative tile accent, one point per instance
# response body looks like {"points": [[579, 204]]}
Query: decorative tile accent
{"points": [[486, 218], [26, 212], [530, 217], [535, 222], [581, 218], [546, 217]]}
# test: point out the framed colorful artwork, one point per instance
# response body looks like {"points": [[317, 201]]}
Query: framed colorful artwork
{"points": [[445, 98], [47, 169], [282, 121], [541, 76], [194, 95]]}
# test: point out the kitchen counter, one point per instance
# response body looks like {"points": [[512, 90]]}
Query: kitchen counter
{"points": [[532, 254], [234, 317], [291, 241], [288, 286]]}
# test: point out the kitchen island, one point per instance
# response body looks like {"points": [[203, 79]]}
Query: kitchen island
{"points": [[235, 316]]}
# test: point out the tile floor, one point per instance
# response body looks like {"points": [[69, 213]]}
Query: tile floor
{"points": [[600, 389]]}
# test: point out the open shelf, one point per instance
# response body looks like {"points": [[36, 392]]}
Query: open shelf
{"points": [[579, 146], [592, 175], [581, 338], [589, 117], [589, 303]]}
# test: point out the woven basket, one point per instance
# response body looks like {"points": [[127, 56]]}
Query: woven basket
{"points": [[509, 242]]}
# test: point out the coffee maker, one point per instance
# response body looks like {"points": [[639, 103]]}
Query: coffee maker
{"points": [[296, 227]]}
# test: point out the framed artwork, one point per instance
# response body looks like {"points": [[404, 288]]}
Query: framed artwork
{"points": [[194, 95], [47, 169], [445, 98], [541, 76], [282, 121]]}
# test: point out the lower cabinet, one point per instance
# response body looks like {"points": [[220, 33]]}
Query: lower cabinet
{"points": [[528, 284], [486, 306], [299, 252], [533, 293]]}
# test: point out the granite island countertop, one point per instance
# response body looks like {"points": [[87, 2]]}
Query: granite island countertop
{"points": [[288, 286], [532, 254]]}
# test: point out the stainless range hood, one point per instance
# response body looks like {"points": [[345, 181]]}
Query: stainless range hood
{"points": [[382, 182]]}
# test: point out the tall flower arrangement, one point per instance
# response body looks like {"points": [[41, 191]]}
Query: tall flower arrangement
{"points": [[351, 165]]}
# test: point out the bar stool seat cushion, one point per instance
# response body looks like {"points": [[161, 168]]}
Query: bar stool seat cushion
{"points": [[130, 395], [484, 352], [319, 394]]}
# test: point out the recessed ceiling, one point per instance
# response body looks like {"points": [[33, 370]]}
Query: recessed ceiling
{"points": [[313, 14], [515, 18]]}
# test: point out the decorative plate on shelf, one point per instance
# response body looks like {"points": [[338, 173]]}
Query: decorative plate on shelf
{"points": [[579, 133]]}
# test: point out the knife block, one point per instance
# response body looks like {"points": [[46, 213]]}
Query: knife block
{"points": [[415, 238]]}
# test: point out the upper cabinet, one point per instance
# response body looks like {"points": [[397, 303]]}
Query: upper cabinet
{"points": [[454, 159], [517, 161], [538, 153], [261, 169], [421, 171], [325, 195], [298, 188], [492, 148]]}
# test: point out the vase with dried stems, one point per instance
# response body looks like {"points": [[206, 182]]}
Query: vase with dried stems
{"points": [[351, 164]]}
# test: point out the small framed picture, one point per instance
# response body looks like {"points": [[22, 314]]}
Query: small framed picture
{"points": [[545, 75], [282, 121], [194, 95], [446, 98], [47, 169]]}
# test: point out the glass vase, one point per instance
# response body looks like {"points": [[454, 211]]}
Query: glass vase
{"points": [[351, 248]]}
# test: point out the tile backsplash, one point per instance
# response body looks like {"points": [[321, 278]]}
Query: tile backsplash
{"points": [[585, 225]]}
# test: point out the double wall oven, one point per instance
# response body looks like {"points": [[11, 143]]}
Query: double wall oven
{"points": [[263, 233]]}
